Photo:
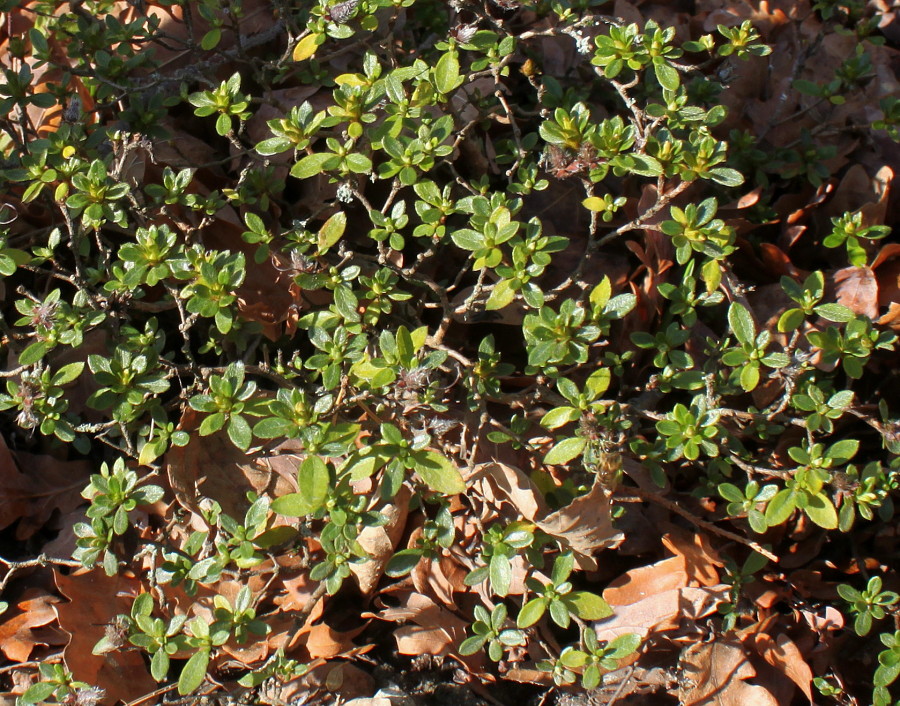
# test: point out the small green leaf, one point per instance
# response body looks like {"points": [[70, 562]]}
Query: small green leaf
{"points": [[749, 377], [403, 562], [666, 74], [331, 231], [531, 612], [726, 176], [565, 451], [555, 418], [741, 323], [439, 473], [194, 672], [34, 353], [310, 165], [820, 510], [446, 72], [587, 605], [500, 573], [780, 507]]}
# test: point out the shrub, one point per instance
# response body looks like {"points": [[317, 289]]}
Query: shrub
{"points": [[393, 240]]}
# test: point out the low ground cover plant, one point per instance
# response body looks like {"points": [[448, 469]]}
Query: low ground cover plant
{"points": [[557, 337]]}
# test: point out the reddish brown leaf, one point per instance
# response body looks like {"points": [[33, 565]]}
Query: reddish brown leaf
{"points": [[32, 497], [857, 289], [584, 538], [95, 599], [662, 612], [437, 631], [17, 634], [715, 674], [645, 581], [700, 558], [783, 654]]}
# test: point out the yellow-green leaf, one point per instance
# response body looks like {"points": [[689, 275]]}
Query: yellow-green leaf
{"points": [[307, 46]]}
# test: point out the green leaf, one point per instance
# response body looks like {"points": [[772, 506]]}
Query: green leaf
{"points": [[310, 165], [565, 451], [780, 507], [239, 432], [34, 353], [471, 645], [273, 145], [749, 377], [531, 612], [314, 481], [501, 296], [555, 418], [842, 451], [38, 692], [666, 74], [820, 510], [500, 573], [834, 312], [726, 176], [194, 672], [741, 323], [446, 73], [331, 231], [403, 562], [67, 373], [439, 473], [587, 605]]}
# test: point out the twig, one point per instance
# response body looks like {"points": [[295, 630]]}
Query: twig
{"points": [[42, 560], [709, 526], [622, 684]]}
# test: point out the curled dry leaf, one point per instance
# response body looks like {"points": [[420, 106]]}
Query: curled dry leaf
{"points": [[585, 538], [658, 598], [380, 542], [700, 559], [31, 498], [500, 481], [716, 674], [436, 631], [857, 289], [19, 633], [783, 654], [95, 600]]}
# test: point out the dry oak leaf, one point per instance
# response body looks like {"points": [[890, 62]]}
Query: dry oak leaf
{"points": [[500, 481], [781, 652], [716, 674], [437, 631], [585, 525], [657, 598], [95, 600], [32, 497], [18, 635], [227, 472], [857, 289], [380, 542]]}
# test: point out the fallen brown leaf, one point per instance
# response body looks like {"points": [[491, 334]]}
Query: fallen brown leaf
{"points": [[857, 289], [662, 612], [715, 674], [18, 635], [585, 538], [95, 599]]}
